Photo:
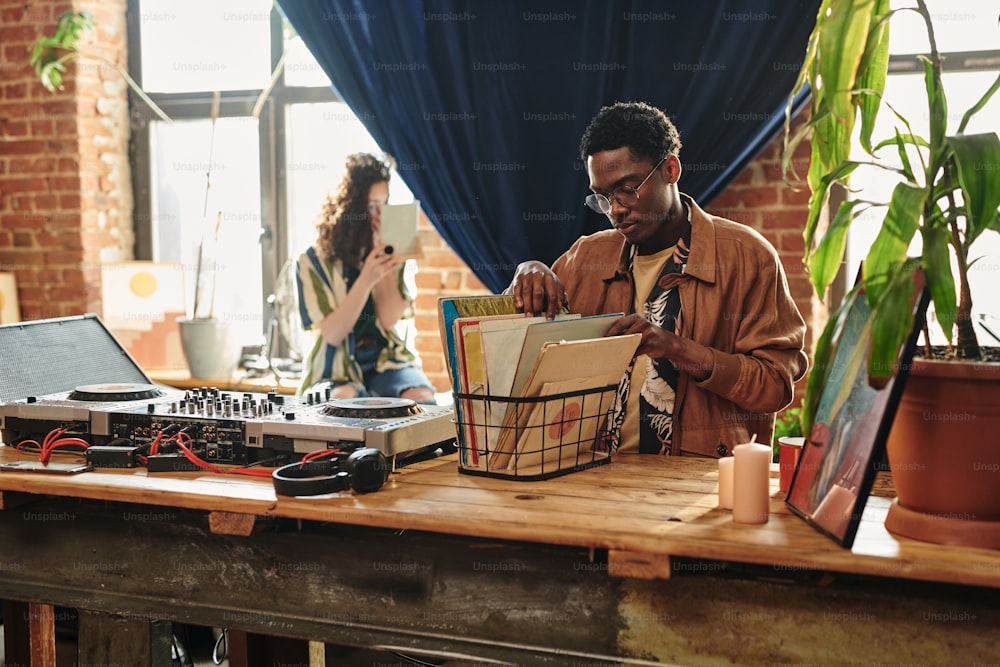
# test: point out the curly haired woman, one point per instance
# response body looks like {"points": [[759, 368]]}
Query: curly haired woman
{"points": [[353, 296]]}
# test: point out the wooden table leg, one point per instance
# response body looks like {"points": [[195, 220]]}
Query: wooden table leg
{"points": [[247, 649], [29, 634], [16, 647], [42, 619], [236, 648], [104, 639]]}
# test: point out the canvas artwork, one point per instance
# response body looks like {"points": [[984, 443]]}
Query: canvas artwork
{"points": [[142, 301], [838, 462]]}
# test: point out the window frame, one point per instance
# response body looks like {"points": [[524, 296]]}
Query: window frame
{"points": [[909, 64], [198, 105]]}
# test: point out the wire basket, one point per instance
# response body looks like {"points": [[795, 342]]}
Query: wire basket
{"points": [[533, 438]]}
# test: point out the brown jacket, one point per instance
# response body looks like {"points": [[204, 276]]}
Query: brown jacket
{"points": [[735, 300]]}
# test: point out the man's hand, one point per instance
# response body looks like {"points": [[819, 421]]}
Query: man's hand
{"points": [[536, 289], [658, 343]]}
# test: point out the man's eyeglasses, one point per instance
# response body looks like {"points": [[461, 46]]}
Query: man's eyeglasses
{"points": [[625, 195]]}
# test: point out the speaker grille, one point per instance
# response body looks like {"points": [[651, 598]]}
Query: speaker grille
{"points": [[55, 355]]}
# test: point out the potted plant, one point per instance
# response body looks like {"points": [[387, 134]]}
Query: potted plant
{"points": [[948, 193], [788, 425], [206, 339]]}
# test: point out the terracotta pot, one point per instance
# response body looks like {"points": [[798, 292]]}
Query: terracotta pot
{"points": [[944, 446]]}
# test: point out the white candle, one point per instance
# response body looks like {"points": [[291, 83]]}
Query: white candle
{"points": [[726, 482], [751, 482]]}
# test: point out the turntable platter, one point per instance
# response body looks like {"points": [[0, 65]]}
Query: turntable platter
{"points": [[372, 407], [115, 392]]}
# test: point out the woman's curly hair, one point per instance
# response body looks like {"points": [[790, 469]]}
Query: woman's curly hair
{"points": [[344, 226]]}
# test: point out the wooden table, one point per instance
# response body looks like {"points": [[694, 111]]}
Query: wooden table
{"points": [[631, 562], [238, 381]]}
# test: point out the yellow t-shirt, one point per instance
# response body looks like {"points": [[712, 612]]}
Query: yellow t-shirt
{"points": [[645, 270]]}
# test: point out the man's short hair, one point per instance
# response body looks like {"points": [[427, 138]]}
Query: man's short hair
{"points": [[644, 129]]}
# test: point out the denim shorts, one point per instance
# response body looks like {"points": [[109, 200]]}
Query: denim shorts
{"points": [[395, 381], [392, 382]]}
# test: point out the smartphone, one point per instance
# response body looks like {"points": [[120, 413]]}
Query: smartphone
{"points": [[52, 468]]}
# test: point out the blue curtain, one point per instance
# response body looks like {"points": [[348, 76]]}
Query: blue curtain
{"points": [[483, 103]]}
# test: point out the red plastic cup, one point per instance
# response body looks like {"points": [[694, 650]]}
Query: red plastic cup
{"points": [[789, 449]]}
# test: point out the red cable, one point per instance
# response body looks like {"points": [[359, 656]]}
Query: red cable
{"points": [[318, 454], [50, 442], [154, 448], [205, 465], [190, 456], [252, 472], [17, 448], [65, 442]]}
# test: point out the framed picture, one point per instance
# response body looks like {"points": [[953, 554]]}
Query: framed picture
{"points": [[142, 301], [838, 462]]}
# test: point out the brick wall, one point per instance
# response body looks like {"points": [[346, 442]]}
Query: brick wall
{"points": [[441, 273], [760, 198], [66, 206], [65, 185]]}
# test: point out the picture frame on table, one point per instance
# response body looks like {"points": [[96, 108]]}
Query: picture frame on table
{"points": [[846, 443]]}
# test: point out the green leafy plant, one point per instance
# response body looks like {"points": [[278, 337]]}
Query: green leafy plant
{"points": [[948, 189], [789, 424], [49, 55]]}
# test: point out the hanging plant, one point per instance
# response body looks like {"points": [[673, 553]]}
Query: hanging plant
{"points": [[50, 53]]}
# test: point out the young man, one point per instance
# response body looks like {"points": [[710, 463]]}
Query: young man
{"points": [[721, 337]]}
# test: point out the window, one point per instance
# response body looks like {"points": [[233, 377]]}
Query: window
{"points": [[240, 194], [968, 37]]}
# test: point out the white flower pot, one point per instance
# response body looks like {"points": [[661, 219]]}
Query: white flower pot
{"points": [[208, 347]]}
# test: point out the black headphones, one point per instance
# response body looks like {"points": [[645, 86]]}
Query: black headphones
{"points": [[364, 470]]}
